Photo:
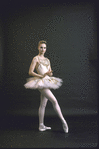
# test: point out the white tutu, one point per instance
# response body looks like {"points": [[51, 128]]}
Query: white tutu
{"points": [[46, 82]]}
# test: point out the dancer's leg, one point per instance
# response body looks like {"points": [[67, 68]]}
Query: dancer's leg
{"points": [[41, 113], [42, 108], [49, 95]]}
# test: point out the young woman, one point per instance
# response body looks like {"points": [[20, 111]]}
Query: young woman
{"points": [[43, 81]]}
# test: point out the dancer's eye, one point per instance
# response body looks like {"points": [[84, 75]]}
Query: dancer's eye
{"points": [[42, 47]]}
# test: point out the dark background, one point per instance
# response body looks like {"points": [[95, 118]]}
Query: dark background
{"points": [[70, 29]]}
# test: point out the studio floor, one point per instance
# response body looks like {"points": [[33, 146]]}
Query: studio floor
{"points": [[22, 132]]}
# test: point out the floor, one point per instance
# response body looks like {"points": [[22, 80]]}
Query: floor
{"points": [[22, 132]]}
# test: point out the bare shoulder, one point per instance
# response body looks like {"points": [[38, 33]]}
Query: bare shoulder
{"points": [[35, 59], [47, 59]]}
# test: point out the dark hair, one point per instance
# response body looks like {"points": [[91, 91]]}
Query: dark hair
{"points": [[41, 42]]}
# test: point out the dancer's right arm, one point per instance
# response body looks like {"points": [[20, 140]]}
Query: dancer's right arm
{"points": [[32, 68]]}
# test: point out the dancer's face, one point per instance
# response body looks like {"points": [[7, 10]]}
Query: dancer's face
{"points": [[42, 49]]}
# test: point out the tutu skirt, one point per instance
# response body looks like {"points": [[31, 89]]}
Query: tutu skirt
{"points": [[40, 83]]}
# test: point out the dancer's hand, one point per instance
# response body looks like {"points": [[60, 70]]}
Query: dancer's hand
{"points": [[49, 73]]}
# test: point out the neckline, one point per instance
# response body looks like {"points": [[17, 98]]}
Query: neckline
{"points": [[41, 58]]}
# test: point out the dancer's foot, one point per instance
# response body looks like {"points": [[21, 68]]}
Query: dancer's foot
{"points": [[43, 128], [65, 127]]}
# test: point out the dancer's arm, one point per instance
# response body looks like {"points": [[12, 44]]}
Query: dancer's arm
{"points": [[32, 68], [49, 73]]}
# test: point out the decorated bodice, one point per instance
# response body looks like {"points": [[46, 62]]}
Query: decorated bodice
{"points": [[44, 65]]}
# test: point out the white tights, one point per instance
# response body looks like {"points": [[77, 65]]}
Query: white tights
{"points": [[46, 95]]}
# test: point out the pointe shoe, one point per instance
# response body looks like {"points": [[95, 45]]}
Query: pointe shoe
{"points": [[65, 127], [43, 128]]}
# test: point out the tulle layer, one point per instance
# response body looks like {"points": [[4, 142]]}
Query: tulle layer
{"points": [[46, 82]]}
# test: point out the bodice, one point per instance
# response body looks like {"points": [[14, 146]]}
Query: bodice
{"points": [[43, 66]]}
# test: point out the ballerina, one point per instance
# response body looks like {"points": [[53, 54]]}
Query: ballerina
{"points": [[43, 80]]}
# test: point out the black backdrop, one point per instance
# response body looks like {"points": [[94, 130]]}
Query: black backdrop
{"points": [[70, 29]]}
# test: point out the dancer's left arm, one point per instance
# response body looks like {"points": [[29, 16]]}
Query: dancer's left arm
{"points": [[49, 73]]}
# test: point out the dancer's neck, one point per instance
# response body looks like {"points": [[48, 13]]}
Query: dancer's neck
{"points": [[41, 55]]}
